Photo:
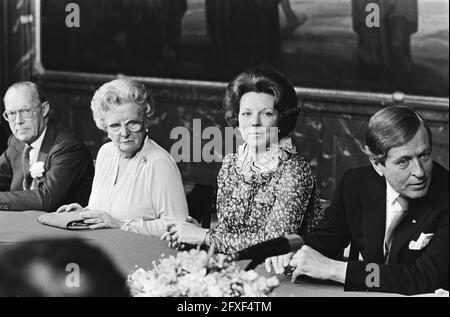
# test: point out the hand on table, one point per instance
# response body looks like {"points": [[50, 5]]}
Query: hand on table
{"points": [[278, 263], [99, 219], [188, 232], [70, 207], [441, 292], [309, 262], [189, 219]]}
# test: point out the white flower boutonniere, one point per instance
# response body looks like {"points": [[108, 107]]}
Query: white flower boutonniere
{"points": [[37, 170]]}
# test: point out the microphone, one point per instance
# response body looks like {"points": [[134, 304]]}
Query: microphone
{"points": [[277, 246]]}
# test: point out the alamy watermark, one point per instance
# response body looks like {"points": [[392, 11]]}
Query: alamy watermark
{"points": [[73, 18], [373, 278], [73, 278], [221, 141], [372, 19]]}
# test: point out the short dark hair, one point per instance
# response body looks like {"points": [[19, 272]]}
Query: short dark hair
{"points": [[35, 88], [267, 80], [392, 127], [98, 275]]}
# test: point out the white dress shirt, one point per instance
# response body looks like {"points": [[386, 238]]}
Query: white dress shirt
{"points": [[34, 151], [36, 147], [392, 208]]}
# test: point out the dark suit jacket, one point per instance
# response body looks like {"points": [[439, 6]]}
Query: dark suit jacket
{"points": [[357, 214], [68, 174], [4, 135]]}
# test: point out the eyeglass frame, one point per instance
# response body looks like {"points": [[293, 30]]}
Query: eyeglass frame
{"points": [[125, 124], [21, 111]]}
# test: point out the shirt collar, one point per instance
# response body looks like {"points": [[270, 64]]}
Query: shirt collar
{"points": [[37, 144], [391, 193]]}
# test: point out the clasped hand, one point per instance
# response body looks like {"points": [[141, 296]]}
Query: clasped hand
{"points": [[96, 219], [308, 261], [180, 234]]}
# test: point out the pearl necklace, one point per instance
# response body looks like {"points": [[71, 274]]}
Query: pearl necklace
{"points": [[135, 154]]}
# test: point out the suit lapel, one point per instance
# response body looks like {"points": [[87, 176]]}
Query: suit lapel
{"points": [[374, 206], [47, 143], [418, 213]]}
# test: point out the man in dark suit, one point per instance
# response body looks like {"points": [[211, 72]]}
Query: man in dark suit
{"points": [[43, 167], [394, 213]]}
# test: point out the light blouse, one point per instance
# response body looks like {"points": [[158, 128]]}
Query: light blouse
{"points": [[148, 196]]}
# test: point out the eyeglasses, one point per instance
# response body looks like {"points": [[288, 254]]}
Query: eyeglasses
{"points": [[25, 113], [131, 125]]}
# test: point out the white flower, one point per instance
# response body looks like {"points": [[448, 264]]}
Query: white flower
{"points": [[194, 274], [37, 170]]}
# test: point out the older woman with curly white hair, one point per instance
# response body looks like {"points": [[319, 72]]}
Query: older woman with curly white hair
{"points": [[137, 185]]}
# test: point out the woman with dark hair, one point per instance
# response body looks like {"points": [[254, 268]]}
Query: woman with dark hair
{"points": [[266, 190]]}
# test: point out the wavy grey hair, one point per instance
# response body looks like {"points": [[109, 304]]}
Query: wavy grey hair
{"points": [[119, 92]]}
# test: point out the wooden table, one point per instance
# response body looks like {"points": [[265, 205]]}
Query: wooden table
{"points": [[129, 250]]}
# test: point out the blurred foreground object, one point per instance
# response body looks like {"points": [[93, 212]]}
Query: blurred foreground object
{"points": [[59, 268]]}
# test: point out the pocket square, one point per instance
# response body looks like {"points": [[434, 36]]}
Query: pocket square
{"points": [[422, 242]]}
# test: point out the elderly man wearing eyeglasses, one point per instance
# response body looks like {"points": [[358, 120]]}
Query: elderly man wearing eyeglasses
{"points": [[42, 166]]}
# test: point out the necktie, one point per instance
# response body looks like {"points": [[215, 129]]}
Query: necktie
{"points": [[396, 219], [27, 180]]}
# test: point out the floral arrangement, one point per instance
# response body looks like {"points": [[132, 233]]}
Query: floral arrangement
{"points": [[196, 273]]}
